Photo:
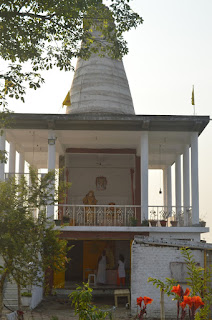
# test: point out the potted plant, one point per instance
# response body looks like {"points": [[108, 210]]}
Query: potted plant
{"points": [[57, 222], [26, 298], [202, 223], [133, 221], [153, 220], [163, 218], [145, 223], [174, 222], [66, 219]]}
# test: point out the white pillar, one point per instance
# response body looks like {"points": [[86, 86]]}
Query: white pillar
{"points": [[12, 156], [144, 174], [194, 178], [186, 184], [169, 189], [165, 189], [178, 185], [51, 166], [2, 164], [21, 162]]}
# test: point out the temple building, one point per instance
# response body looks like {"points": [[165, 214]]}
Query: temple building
{"points": [[107, 151]]}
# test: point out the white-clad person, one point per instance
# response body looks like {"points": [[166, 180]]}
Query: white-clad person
{"points": [[121, 271]]}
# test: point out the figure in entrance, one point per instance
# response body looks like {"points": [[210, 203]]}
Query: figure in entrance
{"points": [[121, 275], [101, 273]]}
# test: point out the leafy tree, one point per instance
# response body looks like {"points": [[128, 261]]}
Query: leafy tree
{"points": [[28, 244], [49, 33]]}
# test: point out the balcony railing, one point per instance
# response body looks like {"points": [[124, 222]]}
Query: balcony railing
{"points": [[98, 215], [121, 215]]}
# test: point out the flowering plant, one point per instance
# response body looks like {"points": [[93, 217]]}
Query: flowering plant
{"points": [[184, 299], [142, 302]]}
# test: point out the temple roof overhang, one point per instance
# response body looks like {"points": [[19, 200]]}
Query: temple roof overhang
{"points": [[120, 134], [95, 121]]}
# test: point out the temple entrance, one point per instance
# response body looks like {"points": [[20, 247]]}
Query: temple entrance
{"points": [[84, 257], [74, 268]]}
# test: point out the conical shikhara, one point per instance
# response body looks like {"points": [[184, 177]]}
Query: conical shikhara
{"points": [[100, 85]]}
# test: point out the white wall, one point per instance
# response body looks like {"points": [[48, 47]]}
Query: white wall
{"points": [[84, 168], [154, 261]]}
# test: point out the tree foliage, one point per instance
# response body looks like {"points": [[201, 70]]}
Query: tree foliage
{"points": [[28, 243], [46, 33]]}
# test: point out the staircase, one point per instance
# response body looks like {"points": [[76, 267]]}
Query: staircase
{"points": [[10, 293], [10, 296]]}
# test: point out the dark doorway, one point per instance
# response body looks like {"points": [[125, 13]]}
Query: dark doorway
{"points": [[74, 270]]}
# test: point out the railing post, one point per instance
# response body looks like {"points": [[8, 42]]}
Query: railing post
{"points": [[74, 215], [94, 216], [84, 215]]}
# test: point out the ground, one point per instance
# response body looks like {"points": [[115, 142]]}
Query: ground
{"points": [[61, 308]]}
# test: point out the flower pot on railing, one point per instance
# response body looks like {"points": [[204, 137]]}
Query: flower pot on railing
{"points": [[153, 223], [174, 223], [145, 223], [66, 219], [163, 223], [202, 223], [57, 222], [133, 222]]}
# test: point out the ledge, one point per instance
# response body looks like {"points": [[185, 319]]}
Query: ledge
{"points": [[135, 229]]}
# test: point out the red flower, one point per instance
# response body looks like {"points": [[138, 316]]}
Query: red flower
{"points": [[183, 305], [187, 292], [177, 289], [139, 301], [187, 301], [197, 302], [147, 300], [193, 302]]}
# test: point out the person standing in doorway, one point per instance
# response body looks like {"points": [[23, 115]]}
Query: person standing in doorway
{"points": [[121, 271], [101, 273]]}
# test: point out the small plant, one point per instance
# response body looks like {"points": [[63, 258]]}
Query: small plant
{"points": [[133, 221], [153, 215], [26, 294], [145, 223], [164, 215], [81, 299], [142, 303], [54, 318], [165, 287]]}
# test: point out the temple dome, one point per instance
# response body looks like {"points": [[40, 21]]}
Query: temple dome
{"points": [[100, 85]]}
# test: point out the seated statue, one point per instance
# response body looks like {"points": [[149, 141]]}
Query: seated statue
{"points": [[90, 199]]}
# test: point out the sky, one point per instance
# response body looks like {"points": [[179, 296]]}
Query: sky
{"points": [[168, 54]]}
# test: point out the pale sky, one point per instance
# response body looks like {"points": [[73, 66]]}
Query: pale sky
{"points": [[168, 54]]}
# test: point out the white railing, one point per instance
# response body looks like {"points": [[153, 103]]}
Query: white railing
{"points": [[98, 215], [183, 215], [120, 215]]}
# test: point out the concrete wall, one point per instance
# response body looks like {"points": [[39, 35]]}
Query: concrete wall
{"points": [[37, 296], [159, 262], [84, 168]]}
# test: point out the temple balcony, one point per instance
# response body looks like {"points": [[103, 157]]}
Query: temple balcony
{"points": [[123, 216]]}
